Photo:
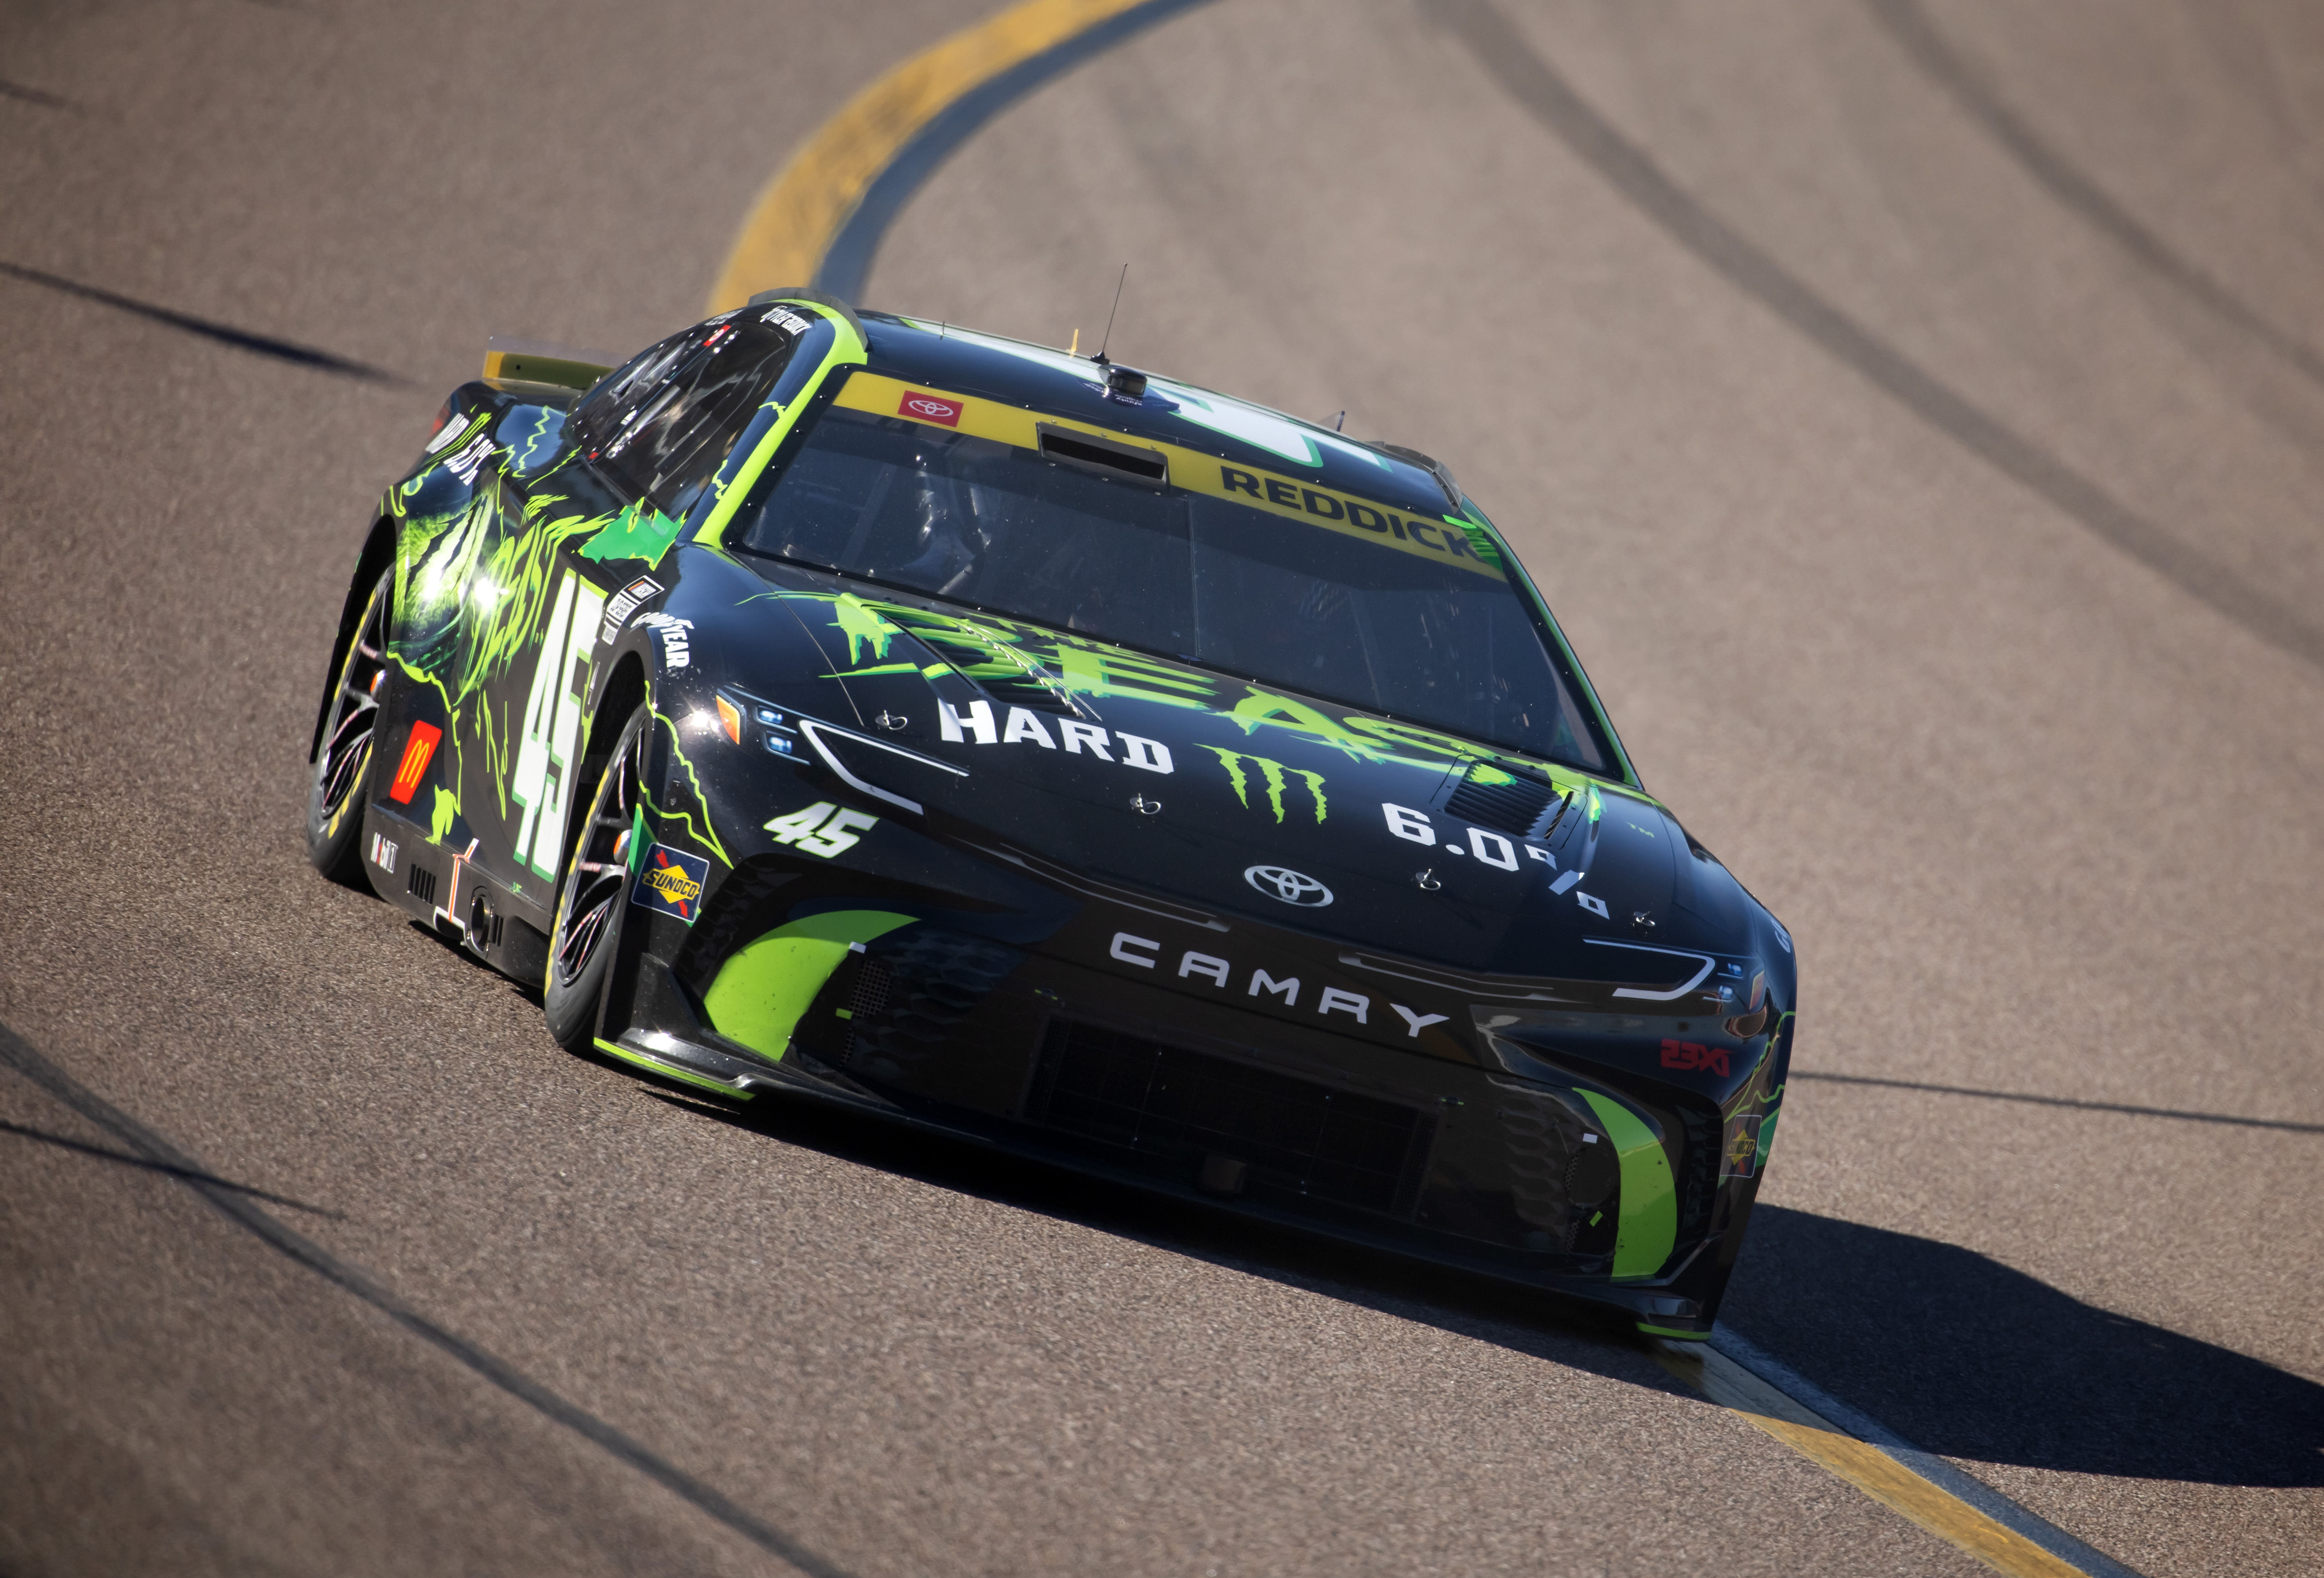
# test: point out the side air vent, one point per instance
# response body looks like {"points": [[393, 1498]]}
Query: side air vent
{"points": [[873, 981], [1511, 799], [422, 883], [1122, 462]]}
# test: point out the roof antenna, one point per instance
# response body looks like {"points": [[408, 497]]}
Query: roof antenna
{"points": [[1100, 357], [1341, 424]]}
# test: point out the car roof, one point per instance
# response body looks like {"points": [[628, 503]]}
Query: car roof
{"points": [[947, 357]]}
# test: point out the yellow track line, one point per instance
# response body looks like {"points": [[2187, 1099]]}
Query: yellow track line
{"points": [[796, 218], [1867, 1468]]}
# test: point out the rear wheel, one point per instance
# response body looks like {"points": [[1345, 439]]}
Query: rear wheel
{"points": [[594, 892], [342, 766]]}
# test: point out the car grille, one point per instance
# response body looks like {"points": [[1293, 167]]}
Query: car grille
{"points": [[1233, 1128]]}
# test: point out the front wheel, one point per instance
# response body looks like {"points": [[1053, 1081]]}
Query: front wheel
{"points": [[594, 892], [342, 766]]}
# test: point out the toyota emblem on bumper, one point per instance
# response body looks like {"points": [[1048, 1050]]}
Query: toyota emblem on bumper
{"points": [[1291, 887]]}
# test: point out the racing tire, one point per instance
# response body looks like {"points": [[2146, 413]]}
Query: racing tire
{"points": [[340, 781], [594, 893]]}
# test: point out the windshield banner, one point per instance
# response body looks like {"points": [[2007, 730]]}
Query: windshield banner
{"points": [[1442, 539]]}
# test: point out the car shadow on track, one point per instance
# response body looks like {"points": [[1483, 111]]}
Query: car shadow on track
{"points": [[1562, 1331], [1955, 1352], [1963, 1356]]}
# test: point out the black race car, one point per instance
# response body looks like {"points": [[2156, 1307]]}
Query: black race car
{"points": [[1016, 743]]}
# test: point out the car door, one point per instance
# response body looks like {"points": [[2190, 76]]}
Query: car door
{"points": [[589, 537]]}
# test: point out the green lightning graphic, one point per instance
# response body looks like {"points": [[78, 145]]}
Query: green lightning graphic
{"points": [[703, 833], [862, 624]]}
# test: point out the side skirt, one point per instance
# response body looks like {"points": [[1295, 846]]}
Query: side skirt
{"points": [[443, 890]]}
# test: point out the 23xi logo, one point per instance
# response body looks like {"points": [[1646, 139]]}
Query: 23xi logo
{"points": [[1693, 1055], [1291, 887]]}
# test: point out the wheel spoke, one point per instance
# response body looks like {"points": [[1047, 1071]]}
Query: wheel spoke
{"points": [[584, 925], [354, 710], [598, 877], [343, 757]]}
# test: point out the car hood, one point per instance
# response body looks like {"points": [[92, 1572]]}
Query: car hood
{"points": [[1241, 798]]}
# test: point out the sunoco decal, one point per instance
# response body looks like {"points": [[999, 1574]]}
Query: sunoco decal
{"points": [[670, 881]]}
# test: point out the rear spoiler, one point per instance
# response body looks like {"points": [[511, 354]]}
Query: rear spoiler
{"points": [[535, 362]]}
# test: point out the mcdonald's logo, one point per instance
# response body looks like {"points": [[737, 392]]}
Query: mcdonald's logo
{"points": [[1276, 775], [419, 747]]}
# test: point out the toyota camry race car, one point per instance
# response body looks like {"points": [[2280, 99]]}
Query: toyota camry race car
{"points": [[1014, 744]]}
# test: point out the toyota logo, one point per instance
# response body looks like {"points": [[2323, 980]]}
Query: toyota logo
{"points": [[929, 409], [1291, 887]]}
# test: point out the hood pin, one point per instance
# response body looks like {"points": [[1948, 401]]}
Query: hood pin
{"points": [[1426, 880], [1146, 806], [891, 721]]}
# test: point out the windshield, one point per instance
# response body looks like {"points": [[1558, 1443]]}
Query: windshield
{"points": [[1271, 598]]}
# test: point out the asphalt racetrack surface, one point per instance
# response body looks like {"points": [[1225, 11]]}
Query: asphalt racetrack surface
{"points": [[1915, 411]]}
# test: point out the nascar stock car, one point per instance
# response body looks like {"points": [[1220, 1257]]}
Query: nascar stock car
{"points": [[1012, 742]]}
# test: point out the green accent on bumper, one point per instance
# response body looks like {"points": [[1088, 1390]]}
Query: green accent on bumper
{"points": [[763, 989], [651, 1065], [1648, 1228], [1673, 1333]]}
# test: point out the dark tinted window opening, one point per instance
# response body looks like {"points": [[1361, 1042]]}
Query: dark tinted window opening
{"points": [[1173, 572], [662, 424], [1076, 448]]}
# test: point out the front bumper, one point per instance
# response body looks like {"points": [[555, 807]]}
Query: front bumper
{"points": [[1579, 1177]]}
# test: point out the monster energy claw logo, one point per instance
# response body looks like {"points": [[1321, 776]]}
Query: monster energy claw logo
{"points": [[1277, 776]]}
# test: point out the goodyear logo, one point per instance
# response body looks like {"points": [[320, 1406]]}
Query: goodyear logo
{"points": [[1277, 777], [1445, 539], [671, 882]]}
